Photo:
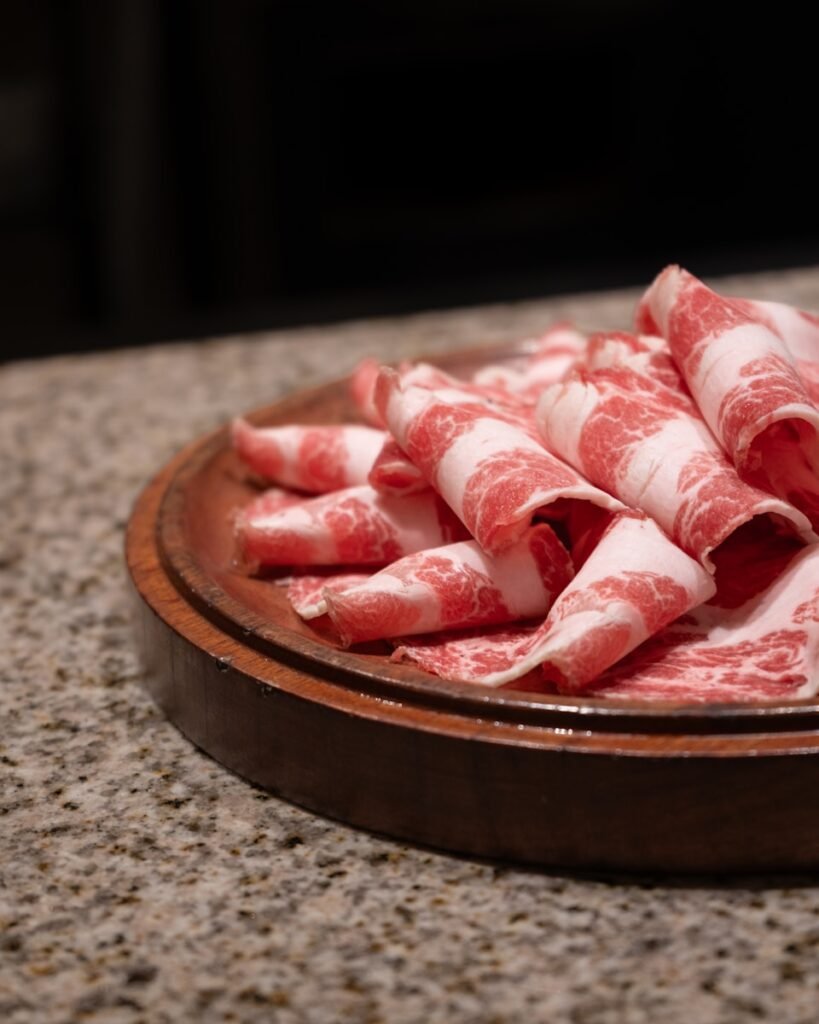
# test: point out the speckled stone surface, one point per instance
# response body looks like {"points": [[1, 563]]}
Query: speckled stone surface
{"points": [[141, 882]]}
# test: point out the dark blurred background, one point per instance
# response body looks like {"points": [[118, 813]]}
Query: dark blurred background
{"points": [[182, 168]]}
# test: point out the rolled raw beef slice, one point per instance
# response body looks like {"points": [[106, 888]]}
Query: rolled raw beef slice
{"points": [[635, 582], [800, 333], [453, 587], [797, 329], [361, 388], [768, 649], [425, 375], [306, 593], [317, 459], [647, 353], [507, 377], [394, 473], [648, 445], [354, 526], [274, 499], [492, 472], [553, 355], [745, 383], [557, 350]]}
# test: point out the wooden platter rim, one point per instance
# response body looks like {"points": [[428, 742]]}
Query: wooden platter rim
{"points": [[633, 794], [575, 714], [156, 589]]}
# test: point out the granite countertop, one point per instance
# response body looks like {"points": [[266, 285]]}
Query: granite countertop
{"points": [[142, 882]]}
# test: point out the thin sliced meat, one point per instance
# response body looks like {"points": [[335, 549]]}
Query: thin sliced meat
{"points": [[649, 446], [269, 501], [455, 392], [317, 459], [766, 650], [809, 372], [485, 656], [425, 375], [354, 526], [306, 593], [362, 388], [799, 330], [491, 471], [633, 584], [508, 377], [646, 353], [453, 587], [394, 473], [800, 333], [553, 355], [745, 383]]}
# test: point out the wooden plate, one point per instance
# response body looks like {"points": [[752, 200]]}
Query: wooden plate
{"points": [[587, 783]]}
